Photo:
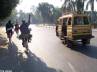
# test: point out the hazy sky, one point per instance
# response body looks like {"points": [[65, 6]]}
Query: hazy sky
{"points": [[25, 5]]}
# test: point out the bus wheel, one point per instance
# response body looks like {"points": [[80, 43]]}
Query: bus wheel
{"points": [[69, 43], [65, 41], [85, 41]]}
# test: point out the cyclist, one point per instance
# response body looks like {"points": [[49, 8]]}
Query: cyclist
{"points": [[25, 31], [17, 28], [9, 29]]}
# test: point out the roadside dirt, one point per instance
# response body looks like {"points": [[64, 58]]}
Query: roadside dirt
{"points": [[3, 38]]}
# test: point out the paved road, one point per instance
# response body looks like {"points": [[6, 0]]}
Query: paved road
{"points": [[48, 54]]}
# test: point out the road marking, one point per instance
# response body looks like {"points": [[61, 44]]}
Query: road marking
{"points": [[71, 66]]}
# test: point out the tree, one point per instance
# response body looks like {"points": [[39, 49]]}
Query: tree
{"points": [[36, 16], [57, 13], [6, 7], [68, 6], [80, 5], [91, 3], [46, 11], [73, 6], [13, 16]]}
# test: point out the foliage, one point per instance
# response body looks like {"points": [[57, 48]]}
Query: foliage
{"points": [[91, 3], [92, 15], [78, 6], [69, 5], [48, 12], [73, 6], [6, 7]]}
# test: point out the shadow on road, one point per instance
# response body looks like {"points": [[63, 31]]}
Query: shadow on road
{"points": [[12, 61], [88, 50], [35, 64], [9, 61], [3, 52]]}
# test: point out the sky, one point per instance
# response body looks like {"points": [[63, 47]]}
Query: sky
{"points": [[26, 5]]}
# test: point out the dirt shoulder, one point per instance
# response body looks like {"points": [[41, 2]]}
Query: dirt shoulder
{"points": [[3, 38]]}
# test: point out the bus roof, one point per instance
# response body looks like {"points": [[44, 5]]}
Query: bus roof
{"points": [[71, 15]]}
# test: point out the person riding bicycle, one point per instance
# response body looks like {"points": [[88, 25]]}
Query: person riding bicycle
{"points": [[9, 28], [25, 31], [17, 28]]}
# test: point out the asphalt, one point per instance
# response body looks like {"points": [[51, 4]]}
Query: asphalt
{"points": [[48, 54]]}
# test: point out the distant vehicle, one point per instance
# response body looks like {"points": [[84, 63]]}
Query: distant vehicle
{"points": [[73, 27]]}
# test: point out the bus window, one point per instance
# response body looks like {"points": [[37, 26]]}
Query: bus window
{"points": [[69, 21], [80, 20], [85, 20], [60, 21], [64, 21]]}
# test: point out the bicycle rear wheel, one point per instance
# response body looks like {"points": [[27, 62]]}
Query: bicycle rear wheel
{"points": [[25, 43]]}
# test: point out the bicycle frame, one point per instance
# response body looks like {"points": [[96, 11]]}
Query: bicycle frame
{"points": [[9, 36], [25, 43]]}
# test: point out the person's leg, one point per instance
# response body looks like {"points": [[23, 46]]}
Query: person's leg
{"points": [[29, 38]]}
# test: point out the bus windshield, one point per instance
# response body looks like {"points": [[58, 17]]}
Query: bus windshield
{"points": [[81, 20]]}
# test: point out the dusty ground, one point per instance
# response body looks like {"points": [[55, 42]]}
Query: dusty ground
{"points": [[3, 41]]}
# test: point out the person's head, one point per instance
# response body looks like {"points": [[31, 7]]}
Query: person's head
{"points": [[16, 21], [9, 21], [23, 22]]}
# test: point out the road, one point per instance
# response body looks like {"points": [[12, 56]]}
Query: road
{"points": [[48, 54]]}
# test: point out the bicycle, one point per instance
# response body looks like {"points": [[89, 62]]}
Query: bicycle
{"points": [[17, 32], [9, 35], [25, 40]]}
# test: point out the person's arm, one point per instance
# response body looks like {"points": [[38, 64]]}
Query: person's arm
{"points": [[12, 26], [6, 27]]}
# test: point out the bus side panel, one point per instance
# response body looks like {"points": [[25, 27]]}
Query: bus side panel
{"points": [[69, 31]]}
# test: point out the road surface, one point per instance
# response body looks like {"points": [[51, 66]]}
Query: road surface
{"points": [[48, 54]]}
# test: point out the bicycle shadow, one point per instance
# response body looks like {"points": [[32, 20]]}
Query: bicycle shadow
{"points": [[3, 51], [35, 64], [88, 50], [9, 61], [12, 61]]}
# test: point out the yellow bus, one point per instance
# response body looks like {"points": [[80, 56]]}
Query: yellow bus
{"points": [[72, 27]]}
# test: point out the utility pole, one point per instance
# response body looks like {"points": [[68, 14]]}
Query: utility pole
{"points": [[29, 19]]}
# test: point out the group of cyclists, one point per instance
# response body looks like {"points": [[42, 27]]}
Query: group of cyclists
{"points": [[24, 29]]}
